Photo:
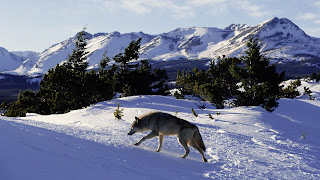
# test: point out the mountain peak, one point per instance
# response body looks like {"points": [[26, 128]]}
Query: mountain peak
{"points": [[236, 27], [282, 21], [281, 28]]}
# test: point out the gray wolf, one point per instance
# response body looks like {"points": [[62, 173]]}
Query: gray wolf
{"points": [[163, 124]]}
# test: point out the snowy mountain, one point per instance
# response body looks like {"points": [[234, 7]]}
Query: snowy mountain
{"points": [[241, 142], [97, 44], [283, 41], [25, 54], [9, 61]]}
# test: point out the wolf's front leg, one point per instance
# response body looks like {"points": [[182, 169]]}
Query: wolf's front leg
{"points": [[160, 142], [149, 136]]}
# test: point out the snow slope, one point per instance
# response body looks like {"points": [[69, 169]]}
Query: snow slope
{"points": [[242, 143]]}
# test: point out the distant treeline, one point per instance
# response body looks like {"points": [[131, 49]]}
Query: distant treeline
{"points": [[11, 85]]}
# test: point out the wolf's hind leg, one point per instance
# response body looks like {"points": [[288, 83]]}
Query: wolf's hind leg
{"points": [[183, 143], [149, 136], [195, 146], [160, 142]]}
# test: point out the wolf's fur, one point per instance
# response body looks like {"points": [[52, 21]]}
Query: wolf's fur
{"points": [[163, 124]]}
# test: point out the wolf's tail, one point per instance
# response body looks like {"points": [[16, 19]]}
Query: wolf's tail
{"points": [[198, 140]]}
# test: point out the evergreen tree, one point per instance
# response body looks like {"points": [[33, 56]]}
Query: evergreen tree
{"points": [[291, 90], [123, 81], [3, 107], [188, 83], [260, 83], [59, 90], [130, 53], [222, 85], [104, 84], [77, 60], [137, 78]]}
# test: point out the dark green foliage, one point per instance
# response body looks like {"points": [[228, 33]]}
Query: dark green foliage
{"points": [[118, 113], [260, 83], [59, 90], [26, 102], [214, 85], [137, 78], [188, 83], [131, 53], [3, 107], [222, 85], [159, 85], [291, 91], [77, 60], [213, 93]]}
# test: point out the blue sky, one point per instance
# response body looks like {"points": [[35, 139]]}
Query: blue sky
{"points": [[38, 24]]}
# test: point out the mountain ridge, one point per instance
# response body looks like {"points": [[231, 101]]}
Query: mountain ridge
{"points": [[282, 41]]}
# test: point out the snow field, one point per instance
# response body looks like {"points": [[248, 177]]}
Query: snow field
{"points": [[242, 143]]}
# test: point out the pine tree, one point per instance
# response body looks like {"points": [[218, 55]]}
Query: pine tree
{"points": [[118, 113], [68, 86], [130, 53], [123, 81], [77, 60], [259, 80], [137, 78], [104, 84], [222, 84]]}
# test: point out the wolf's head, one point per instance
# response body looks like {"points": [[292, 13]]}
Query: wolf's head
{"points": [[135, 127]]}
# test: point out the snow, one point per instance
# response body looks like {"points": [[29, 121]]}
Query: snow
{"points": [[242, 142]]}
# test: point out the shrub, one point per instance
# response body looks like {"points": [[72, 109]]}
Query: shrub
{"points": [[118, 113], [291, 91]]}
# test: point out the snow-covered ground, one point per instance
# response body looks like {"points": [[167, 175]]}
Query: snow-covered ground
{"points": [[242, 143]]}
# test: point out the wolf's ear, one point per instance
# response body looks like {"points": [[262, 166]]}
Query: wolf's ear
{"points": [[137, 119]]}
